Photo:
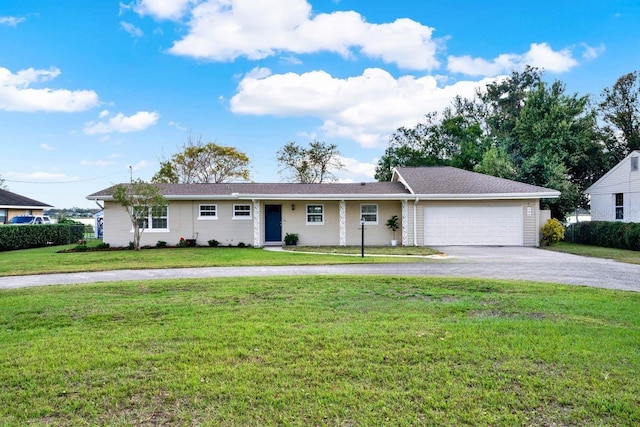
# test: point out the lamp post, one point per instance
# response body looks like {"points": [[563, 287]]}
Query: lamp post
{"points": [[362, 239]]}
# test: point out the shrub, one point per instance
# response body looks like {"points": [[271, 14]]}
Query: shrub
{"points": [[213, 243], [182, 243], [131, 246], [35, 236], [291, 239], [80, 248], [103, 246], [620, 235], [241, 245], [552, 232], [161, 244]]}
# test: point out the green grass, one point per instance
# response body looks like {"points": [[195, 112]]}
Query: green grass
{"points": [[622, 255], [47, 260], [326, 351], [368, 250]]}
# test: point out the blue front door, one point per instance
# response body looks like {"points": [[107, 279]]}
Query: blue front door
{"points": [[273, 223]]}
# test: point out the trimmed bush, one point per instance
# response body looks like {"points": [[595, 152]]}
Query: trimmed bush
{"points": [[14, 237], [552, 232], [609, 234]]}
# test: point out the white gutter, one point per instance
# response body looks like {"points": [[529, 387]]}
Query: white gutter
{"points": [[415, 221]]}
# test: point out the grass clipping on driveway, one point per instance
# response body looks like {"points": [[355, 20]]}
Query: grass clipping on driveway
{"points": [[319, 351]]}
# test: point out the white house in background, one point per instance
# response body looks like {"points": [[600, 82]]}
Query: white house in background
{"points": [[616, 196], [436, 206]]}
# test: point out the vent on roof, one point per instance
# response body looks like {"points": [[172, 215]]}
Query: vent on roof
{"points": [[363, 183]]}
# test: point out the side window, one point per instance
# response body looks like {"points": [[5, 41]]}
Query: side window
{"points": [[241, 211], [369, 213], [208, 212], [619, 205], [634, 164], [315, 214]]}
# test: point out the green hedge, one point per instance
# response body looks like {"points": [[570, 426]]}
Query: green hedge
{"points": [[34, 236], [621, 235]]}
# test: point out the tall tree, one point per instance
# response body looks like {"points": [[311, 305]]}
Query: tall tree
{"points": [[140, 199], [314, 164], [558, 141], [204, 163], [620, 108]]}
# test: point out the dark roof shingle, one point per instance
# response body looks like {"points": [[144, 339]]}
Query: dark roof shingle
{"points": [[7, 198], [440, 180]]}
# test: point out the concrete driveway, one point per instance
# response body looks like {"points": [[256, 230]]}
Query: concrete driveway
{"points": [[463, 261]]}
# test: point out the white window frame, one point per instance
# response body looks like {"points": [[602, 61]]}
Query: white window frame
{"points": [[363, 214], [308, 214], [208, 217], [617, 206], [149, 221], [242, 217]]}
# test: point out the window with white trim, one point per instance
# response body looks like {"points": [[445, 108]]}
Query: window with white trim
{"points": [[315, 214], [619, 205], [369, 213], [208, 212], [156, 218], [241, 211]]}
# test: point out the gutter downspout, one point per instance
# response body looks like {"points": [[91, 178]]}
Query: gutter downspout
{"points": [[415, 224]]}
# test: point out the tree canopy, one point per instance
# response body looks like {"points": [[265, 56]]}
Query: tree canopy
{"points": [[139, 199], [314, 164], [527, 129], [200, 162]]}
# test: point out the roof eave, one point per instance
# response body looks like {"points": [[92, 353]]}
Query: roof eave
{"points": [[491, 196]]}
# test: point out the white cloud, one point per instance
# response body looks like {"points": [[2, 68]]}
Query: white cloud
{"points": [[177, 126], [366, 108], [47, 147], [356, 170], [103, 114], [41, 177], [16, 93], [142, 164], [131, 29], [99, 163], [11, 21], [539, 55], [592, 52], [122, 124], [223, 30], [163, 9]]}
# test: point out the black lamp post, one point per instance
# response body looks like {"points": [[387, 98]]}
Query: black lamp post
{"points": [[362, 239]]}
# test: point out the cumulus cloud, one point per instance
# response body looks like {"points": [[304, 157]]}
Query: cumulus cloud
{"points": [[163, 9], [365, 108], [131, 29], [539, 55], [11, 21], [47, 147], [121, 123], [16, 93], [355, 170], [223, 30]]}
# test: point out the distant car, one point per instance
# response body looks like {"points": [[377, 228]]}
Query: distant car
{"points": [[29, 219]]}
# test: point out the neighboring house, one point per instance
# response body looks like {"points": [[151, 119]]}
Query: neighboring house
{"points": [[616, 196], [436, 205], [12, 204]]}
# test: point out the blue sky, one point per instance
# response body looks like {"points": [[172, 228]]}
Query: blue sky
{"points": [[89, 89]]}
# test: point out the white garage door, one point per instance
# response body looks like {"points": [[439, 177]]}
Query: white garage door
{"points": [[473, 225]]}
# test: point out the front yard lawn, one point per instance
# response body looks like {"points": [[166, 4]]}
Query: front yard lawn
{"points": [[622, 255], [329, 351], [48, 260]]}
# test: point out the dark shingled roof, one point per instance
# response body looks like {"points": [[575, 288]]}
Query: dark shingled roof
{"points": [[286, 189], [7, 198], [450, 180]]}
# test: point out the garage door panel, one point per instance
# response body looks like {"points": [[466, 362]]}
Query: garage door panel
{"points": [[473, 225]]}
